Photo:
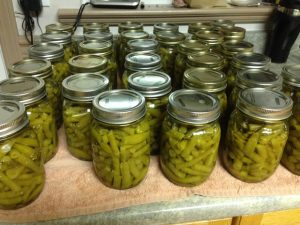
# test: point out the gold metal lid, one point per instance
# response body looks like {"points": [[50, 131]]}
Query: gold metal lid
{"points": [[233, 33], [169, 37], [133, 34], [100, 36], [142, 45], [165, 27], [220, 23], [210, 37], [128, 25], [87, 63], [59, 27], [193, 28], [46, 50], [192, 46], [58, 37], [206, 60], [233, 47], [291, 75], [95, 27], [95, 46], [250, 60]]}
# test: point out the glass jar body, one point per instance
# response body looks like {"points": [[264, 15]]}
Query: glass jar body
{"points": [[253, 148], [77, 123], [121, 154], [22, 171], [188, 152], [60, 69], [168, 56], [179, 68], [231, 77], [42, 120], [69, 51]]}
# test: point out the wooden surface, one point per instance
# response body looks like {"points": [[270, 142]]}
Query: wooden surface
{"points": [[211, 222], [73, 189]]}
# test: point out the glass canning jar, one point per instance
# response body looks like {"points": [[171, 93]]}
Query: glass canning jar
{"points": [[165, 27], [155, 86], [252, 78], [257, 133], [233, 33], [55, 54], [42, 69], [59, 27], [22, 171], [79, 91], [211, 37], [193, 28], [184, 49], [207, 80], [63, 38], [291, 86], [120, 138], [76, 39], [104, 49], [190, 137], [242, 61], [206, 60], [31, 91], [168, 42], [95, 27], [137, 61]]}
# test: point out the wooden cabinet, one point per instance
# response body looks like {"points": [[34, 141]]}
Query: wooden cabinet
{"points": [[227, 221]]}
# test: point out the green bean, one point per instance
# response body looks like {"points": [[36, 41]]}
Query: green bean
{"points": [[179, 69], [188, 153], [253, 149], [123, 152], [68, 52], [60, 71], [168, 57]]}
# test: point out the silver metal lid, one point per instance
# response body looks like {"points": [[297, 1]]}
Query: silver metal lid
{"points": [[95, 46], [170, 37], [252, 78], [291, 75], [192, 46], [87, 63], [49, 51], [264, 104], [27, 90], [128, 25], [31, 67], [119, 107], [83, 87], [195, 27], [250, 60], [204, 79], [165, 27], [206, 60], [142, 45], [13, 118], [138, 61], [95, 27], [150, 84], [58, 37], [100, 36], [193, 107], [133, 34], [59, 27]]}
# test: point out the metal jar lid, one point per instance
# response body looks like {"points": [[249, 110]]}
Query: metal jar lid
{"points": [[250, 60], [83, 87], [150, 84], [119, 107], [133, 34], [49, 51], [27, 90], [142, 45], [87, 63], [100, 36], [95, 27], [264, 104], [195, 27], [258, 78], [165, 27], [220, 23], [138, 61], [206, 60], [31, 67], [233, 47], [204, 79], [210, 37], [233, 33], [13, 118], [169, 37], [193, 107], [129, 26], [95, 46], [59, 27], [291, 75], [192, 46], [57, 37]]}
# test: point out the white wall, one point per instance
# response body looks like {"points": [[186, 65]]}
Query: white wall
{"points": [[3, 72]]}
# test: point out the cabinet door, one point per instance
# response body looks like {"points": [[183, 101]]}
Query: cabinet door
{"points": [[211, 222]]}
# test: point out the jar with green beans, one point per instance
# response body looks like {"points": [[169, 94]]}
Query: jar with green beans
{"points": [[155, 86], [31, 91], [193, 28], [22, 174], [142, 46], [99, 36], [233, 33], [59, 27], [211, 37], [165, 27], [95, 27], [257, 133], [206, 60], [79, 91], [190, 137], [120, 138]]}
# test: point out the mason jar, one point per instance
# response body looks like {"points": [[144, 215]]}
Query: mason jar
{"points": [[79, 91], [155, 86], [95, 27], [211, 37], [59, 27], [55, 54], [168, 42], [76, 39], [136, 61], [206, 60], [99, 36], [222, 23], [120, 138], [184, 49], [22, 171], [31, 91], [233, 33], [142, 46], [291, 86], [207, 80], [165, 27], [190, 137], [104, 49], [257, 133], [193, 28], [243, 61], [63, 38], [252, 78], [42, 69]]}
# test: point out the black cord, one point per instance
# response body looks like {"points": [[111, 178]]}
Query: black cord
{"points": [[79, 14], [28, 22]]}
